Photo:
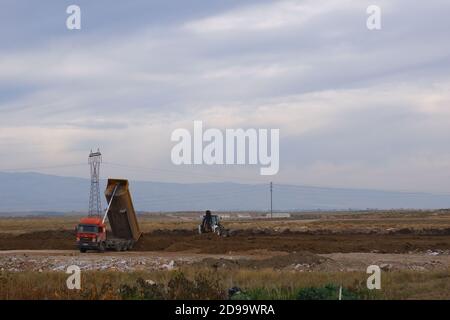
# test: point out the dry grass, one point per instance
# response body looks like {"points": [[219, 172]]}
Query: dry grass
{"points": [[30, 224], [300, 222], [266, 283], [272, 284]]}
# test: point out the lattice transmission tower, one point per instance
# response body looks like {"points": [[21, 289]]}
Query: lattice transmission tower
{"points": [[95, 203]]}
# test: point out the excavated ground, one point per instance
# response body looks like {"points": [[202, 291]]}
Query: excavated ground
{"points": [[323, 242]]}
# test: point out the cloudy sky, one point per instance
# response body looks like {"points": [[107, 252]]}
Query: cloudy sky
{"points": [[355, 108]]}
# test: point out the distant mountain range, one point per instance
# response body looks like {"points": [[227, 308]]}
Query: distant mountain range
{"points": [[35, 192]]}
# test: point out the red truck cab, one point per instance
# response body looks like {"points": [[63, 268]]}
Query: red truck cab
{"points": [[91, 234]]}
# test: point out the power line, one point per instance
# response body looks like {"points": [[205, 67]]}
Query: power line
{"points": [[189, 202], [201, 196], [44, 167], [226, 178], [312, 189], [192, 174]]}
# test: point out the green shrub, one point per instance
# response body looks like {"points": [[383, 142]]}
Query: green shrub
{"points": [[241, 296], [327, 292]]}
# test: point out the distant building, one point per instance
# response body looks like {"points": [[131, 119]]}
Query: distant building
{"points": [[279, 215]]}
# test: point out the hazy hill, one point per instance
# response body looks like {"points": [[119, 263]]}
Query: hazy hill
{"points": [[21, 192]]}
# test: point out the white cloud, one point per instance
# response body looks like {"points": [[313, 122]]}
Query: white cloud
{"points": [[309, 68], [265, 17]]}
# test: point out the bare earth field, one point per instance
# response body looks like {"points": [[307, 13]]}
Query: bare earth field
{"points": [[312, 248]]}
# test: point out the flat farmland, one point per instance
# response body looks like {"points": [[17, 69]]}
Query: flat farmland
{"points": [[312, 249]]}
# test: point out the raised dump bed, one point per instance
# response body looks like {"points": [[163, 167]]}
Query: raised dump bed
{"points": [[121, 215], [91, 231]]}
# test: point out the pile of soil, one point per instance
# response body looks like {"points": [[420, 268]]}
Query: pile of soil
{"points": [[39, 240], [209, 243], [183, 240]]}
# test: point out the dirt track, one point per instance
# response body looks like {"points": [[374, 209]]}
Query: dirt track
{"points": [[59, 260], [184, 240]]}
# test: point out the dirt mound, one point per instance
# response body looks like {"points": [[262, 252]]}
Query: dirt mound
{"points": [[185, 240], [291, 242], [48, 235], [278, 262], [54, 239]]}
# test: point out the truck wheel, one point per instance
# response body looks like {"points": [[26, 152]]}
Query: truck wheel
{"points": [[82, 250], [101, 247]]}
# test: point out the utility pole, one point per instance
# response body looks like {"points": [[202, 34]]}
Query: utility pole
{"points": [[271, 192]]}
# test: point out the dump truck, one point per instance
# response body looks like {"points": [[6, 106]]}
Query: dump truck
{"points": [[211, 223], [92, 233]]}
